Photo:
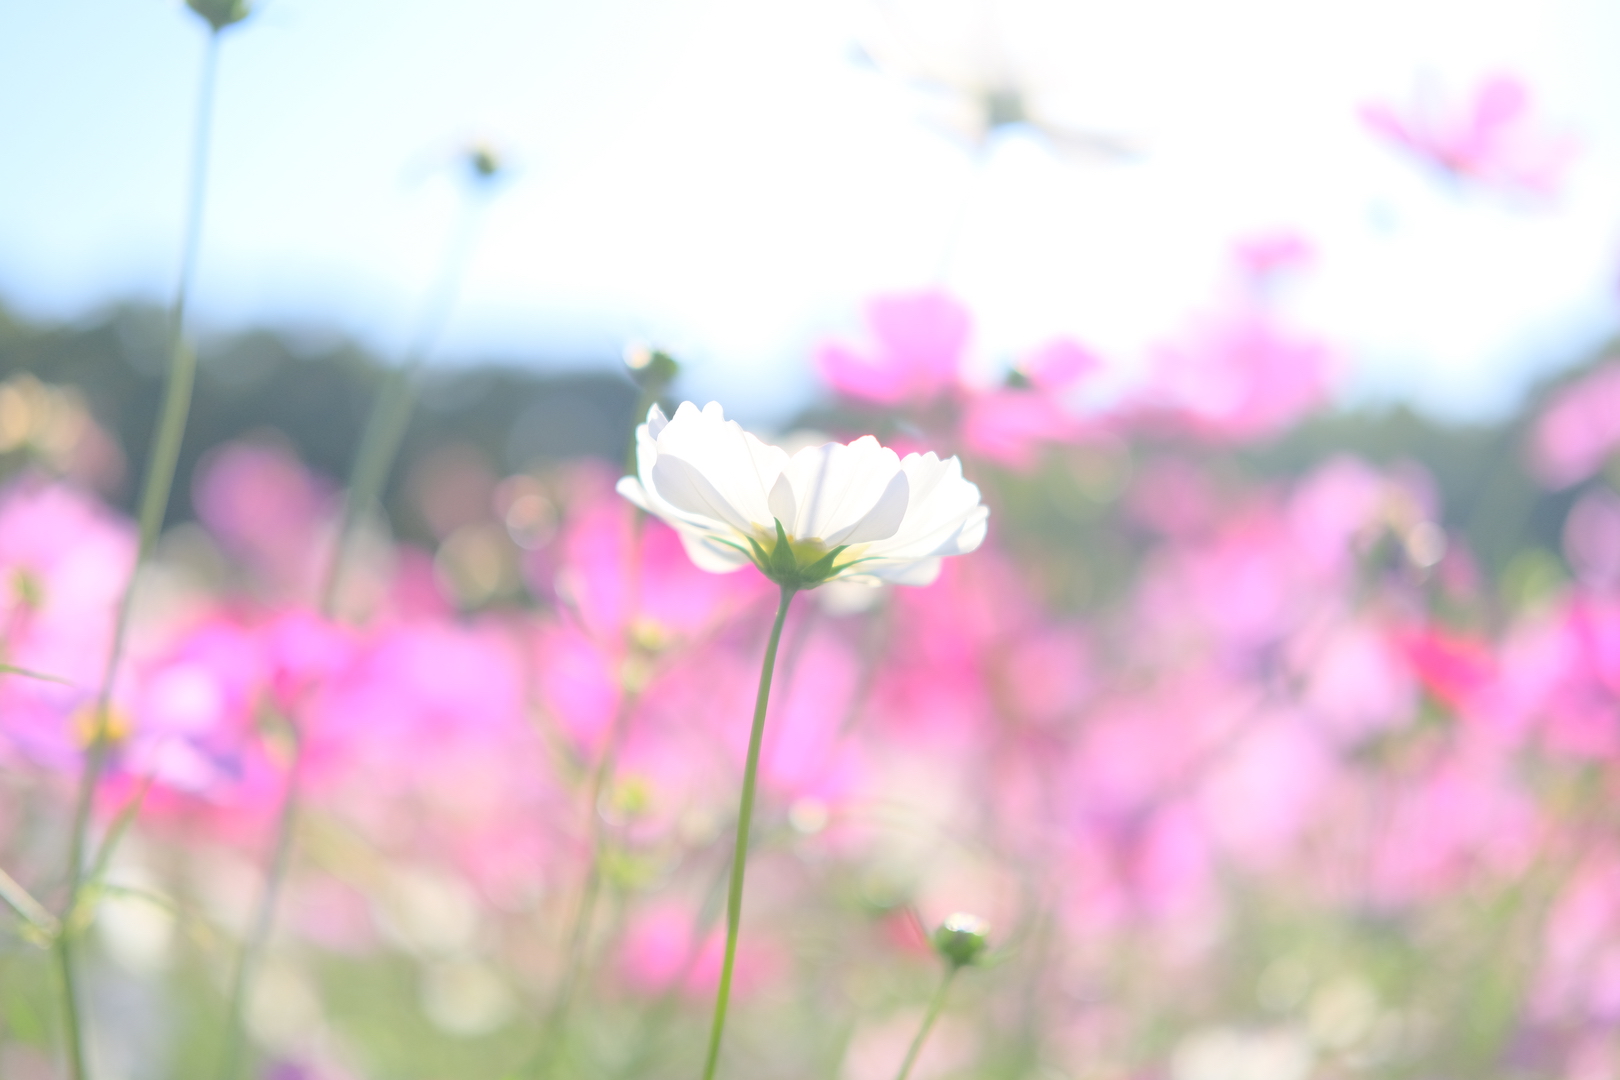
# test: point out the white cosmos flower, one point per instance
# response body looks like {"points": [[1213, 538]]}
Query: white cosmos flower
{"points": [[855, 512]]}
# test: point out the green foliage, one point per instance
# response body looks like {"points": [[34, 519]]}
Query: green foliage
{"points": [[315, 392]]}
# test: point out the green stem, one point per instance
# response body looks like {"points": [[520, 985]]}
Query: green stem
{"points": [[928, 1022], [379, 443], [396, 399], [385, 429], [663, 1008], [70, 1016], [155, 488], [259, 929], [31, 911], [745, 817], [590, 891]]}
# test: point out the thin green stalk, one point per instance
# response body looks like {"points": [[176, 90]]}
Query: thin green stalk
{"points": [[590, 891], [31, 911], [12, 669], [161, 461], [745, 817], [396, 399], [928, 1022], [379, 443], [662, 1009], [115, 832], [259, 929]]}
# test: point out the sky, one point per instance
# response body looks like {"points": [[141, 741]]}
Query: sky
{"points": [[731, 178]]}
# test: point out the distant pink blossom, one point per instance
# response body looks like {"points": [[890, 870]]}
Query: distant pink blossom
{"points": [[1264, 791], [1592, 539], [1492, 140], [1465, 820], [1456, 668], [1009, 426], [661, 951], [64, 563], [1579, 429], [267, 509], [1239, 376], [919, 341], [1264, 255]]}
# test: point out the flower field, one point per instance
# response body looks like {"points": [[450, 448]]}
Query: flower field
{"points": [[365, 720]]}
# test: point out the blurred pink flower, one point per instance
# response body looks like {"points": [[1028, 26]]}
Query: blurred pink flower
{"points": [[1561, 678], [1493, 140], [1238, 376], [1455, 668], [1578, 430], [623, 572], [267, 509], [1356, 679], [64, 563], [193, 709], [1263, 792], [1592, 539], [1010, 425], [661, 952], [920, 341], [1467, 819], [1265, 255]]}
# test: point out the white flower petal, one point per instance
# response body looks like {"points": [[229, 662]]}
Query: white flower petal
{"points": [[709, 554], [736, 464], [839, 486], [883, 520], [680, 484], [945, 516], [631, 488], [781, 501], [910, 572], [656, 421], [721, 488]]}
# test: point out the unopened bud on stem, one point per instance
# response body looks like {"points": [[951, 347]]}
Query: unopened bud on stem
{"points": [[221, 13], [961, 939], [652, 369]]}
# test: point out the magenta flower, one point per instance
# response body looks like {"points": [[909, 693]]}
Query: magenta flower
{"points": [[1239, 377], [1579, 429], [64, 560], [920, 341], [1493, 140], [267, 509]]}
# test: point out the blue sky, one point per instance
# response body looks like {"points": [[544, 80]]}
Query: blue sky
{"points": [[720, 175]]}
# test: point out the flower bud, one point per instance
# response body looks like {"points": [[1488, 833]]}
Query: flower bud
{"points": [[484, 162], [961, 939], [652, 369], [221, 13]]}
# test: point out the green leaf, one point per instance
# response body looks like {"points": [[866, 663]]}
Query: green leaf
{"points": [[12, 669], [822, 568], [32, 911], [784, 566]]}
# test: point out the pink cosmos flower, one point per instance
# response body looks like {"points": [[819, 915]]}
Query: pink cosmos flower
{"points": [[919, 342], [1239, 376], [1466, 820], [64, 563], [267, 509], [1592, 539], [1579, 429], [1455, 668], [1265, 255], [660, 952], [1492, 140], [1011, 424]]}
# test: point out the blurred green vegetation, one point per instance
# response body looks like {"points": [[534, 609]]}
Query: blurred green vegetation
{"points": [[316, 392]]}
